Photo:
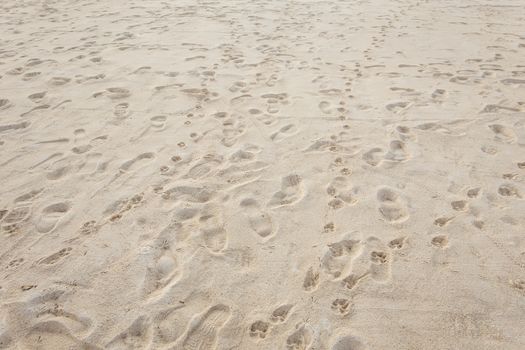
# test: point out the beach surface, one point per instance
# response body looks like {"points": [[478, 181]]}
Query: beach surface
{"points": [[306, 175]]}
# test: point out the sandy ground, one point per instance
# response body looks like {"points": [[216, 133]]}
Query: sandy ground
{"points": [[341, 175]]}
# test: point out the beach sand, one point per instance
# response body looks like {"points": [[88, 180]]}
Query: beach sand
{"points": [[341, 175]]}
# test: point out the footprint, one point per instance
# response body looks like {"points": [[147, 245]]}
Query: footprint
{"points": [[291, 191], [284, 132], [54, 258], [91, 163], [341, 306], [374, 156], [348, 343], [36, 97], [391, 207], [212, 230], [440, 241], [503, 133], [116, 93], [121, 111], [259, 221], [280, 314], [163, 270], [137, 162], [397, 107], [17, 215], [189, 194], [4, 103], [205, 166], [301, 339], [337, 260], [397, 243], [380, 269], [137, 336], [59, 81], [509, 190], [461, 205], [398, 151], [16, 126], [311, 280], [341, 192], [51, 215], [474, 192], [204, 329], [259, 329], [405, 133], [158, 123], [51, 335]]}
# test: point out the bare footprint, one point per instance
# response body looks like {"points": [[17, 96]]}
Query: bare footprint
{"points": [[260, 221], [212, 229], [291, 191], [51, 215], [391, 207]]}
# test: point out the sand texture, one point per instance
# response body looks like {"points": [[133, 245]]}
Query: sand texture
{"points": [[237, 175]]}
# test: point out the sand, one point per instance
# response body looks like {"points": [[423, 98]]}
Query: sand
{"points": [[262, 174]]}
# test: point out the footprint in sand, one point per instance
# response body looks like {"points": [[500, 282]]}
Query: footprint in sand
{"points": [[231, 132], [158, 123], [203, 330], [5, 103], [300, 339], [503, 133], [280, 314], [311, 280], [205, 166], [259, 221], [259, 329], [348, 343], [22, 208], [374, 156], [509, 190], [338, 256], [398, 107], [137, 336], [440, 241], [51, 215], [405, 133], [163, 270], [341, 193], [398, 151], [284, 132], [212, 229], [291, 191], [391, 207], [137, 162], [54, 258], [341, 306]]}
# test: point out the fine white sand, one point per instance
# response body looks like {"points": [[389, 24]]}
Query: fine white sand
{"points": [[291, 174]]}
